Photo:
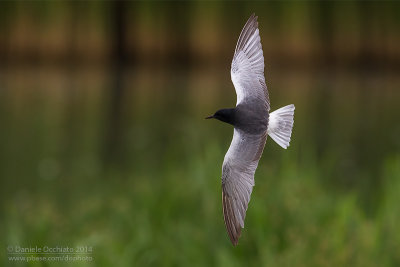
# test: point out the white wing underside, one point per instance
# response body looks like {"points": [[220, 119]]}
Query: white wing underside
{"points": [[238, 170], [247, 69]]}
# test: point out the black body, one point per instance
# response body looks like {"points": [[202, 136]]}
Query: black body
{"points": [[251, 117]]}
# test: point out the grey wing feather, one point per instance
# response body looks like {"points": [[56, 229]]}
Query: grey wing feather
{"points": [[238, 170], [247, 70]]}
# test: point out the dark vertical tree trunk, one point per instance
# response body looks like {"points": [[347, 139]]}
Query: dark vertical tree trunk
{"points": [[324, 92], [113, 153], [180, 54], [5, 14], [365, 57], [326, 33], [178, 15], [71, 113]]}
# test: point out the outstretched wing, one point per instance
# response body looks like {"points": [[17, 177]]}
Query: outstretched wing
{"points": [[238, 170], [247, 70]]}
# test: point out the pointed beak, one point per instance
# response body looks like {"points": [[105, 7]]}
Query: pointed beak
{"points": [[210, 117]]}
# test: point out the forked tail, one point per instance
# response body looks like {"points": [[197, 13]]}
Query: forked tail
{"points": [[280, 125]]}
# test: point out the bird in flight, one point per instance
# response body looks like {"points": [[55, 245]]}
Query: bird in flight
{"points": [[252, 123]]}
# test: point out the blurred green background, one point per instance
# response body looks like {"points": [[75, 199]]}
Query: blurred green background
{"points": [[104, 142]]}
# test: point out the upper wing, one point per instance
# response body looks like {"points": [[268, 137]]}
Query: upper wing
{"points": [[238, 170], [247, 70]]}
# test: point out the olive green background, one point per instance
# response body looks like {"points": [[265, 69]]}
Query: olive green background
{"points": [[103, 141]]}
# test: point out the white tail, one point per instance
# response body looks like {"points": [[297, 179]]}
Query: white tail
{"points": [[280, 125]]}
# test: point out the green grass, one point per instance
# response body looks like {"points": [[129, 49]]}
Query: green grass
{"points": [[331, 199]]}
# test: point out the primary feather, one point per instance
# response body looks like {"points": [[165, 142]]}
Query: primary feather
{"points": [[247, 70], [240, 164]]}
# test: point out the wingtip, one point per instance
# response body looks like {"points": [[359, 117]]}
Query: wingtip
{"points": [[234, 231], [235, 238], [253, 18]]}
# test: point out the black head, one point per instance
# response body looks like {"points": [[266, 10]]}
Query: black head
{"points": [[225, 115]]}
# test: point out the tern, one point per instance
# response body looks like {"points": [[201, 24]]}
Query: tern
{"points": [[252, 123]]}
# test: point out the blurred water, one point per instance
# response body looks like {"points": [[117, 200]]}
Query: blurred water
{"points": [[70, 144], [348, 115]]}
